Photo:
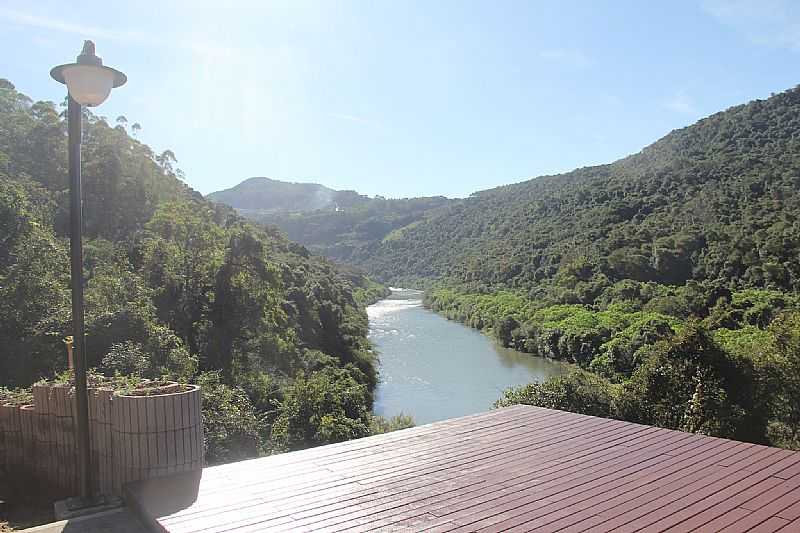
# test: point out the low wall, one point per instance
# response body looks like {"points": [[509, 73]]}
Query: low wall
{"points": [[144, 434]]}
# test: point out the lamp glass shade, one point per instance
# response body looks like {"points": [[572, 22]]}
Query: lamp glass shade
{"points": [[88, 85]]}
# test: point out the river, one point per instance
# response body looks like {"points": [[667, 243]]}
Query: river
{"points": [[433, 368]]}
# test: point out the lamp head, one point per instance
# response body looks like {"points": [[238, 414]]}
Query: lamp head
{"points": [[88, 81]]}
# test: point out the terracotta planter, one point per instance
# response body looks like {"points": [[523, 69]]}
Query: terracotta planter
{"points": [[156, 435]]}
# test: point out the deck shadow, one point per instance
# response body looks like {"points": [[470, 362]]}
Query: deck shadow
{"points": [[154, 498]]}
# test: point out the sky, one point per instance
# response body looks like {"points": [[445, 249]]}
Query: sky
{"points": [[407, 98]]}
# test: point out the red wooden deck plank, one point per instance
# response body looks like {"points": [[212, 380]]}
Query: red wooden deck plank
{"points": [[769, 525], [548, 474], [592, 492], [431, 505], [791, 472], [517, 468], [416, 465], [534, 515], [727, 519], [559, 470], [369, 508], [295, 484], [244, 477], [792, 512], [783, 489], [700, 505], [550, 505], [631, 496], [728, 502], [765, 507]]}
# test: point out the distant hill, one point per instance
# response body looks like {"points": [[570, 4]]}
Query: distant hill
{"points": [[265, 195], [716, 202], [337, 224]]}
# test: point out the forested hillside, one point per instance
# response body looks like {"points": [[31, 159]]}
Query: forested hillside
{"points": [[669, 277], [176, 286], [672, 276], [715, 202], [336, 224]]}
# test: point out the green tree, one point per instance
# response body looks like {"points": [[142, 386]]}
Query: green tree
{"points": [[578, 391], [688, 382], [321, 408]]}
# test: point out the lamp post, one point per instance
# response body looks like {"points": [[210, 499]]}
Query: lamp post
{"points": [[88, 84]]}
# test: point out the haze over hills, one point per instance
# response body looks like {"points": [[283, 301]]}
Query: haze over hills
{"points": [[716, 200], [338, 224], [671, 275], [265, 195]]}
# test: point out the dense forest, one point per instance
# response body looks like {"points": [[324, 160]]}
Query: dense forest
{"points": [[670, 277], [176, 287], [340, 225], [716, 202]]}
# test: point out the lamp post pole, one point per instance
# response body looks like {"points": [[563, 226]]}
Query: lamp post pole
{"points": [[88, 84], [74, 118]]}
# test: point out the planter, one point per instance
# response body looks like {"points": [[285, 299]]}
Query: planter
{"points": [[12, 437], [3, 431], [156, 433], [101, 443], [44, 435], [151, 431], [28, 422], [61, 403]]}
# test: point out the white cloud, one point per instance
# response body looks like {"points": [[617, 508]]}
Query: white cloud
{"points": [[764, 22], [567, 57], [680, 102], [36, 21], [93, 32]]}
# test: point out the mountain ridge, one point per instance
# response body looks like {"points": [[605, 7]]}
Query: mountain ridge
{"points": [[734, 173], [260, 193], [655, 205], [329, 222]]}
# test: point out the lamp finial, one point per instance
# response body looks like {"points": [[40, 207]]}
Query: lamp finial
{"points": [[88, 48]]}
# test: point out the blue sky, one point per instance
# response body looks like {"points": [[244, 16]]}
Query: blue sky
{"points": [[405, 98]]}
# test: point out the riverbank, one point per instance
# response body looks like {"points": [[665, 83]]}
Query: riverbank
{"points": [[434, 369], [730, 372]]}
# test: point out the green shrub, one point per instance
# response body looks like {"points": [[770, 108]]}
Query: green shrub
{"points": [[322, 407], [689, 382], [380, 424], [232, 427], [578, 391]]}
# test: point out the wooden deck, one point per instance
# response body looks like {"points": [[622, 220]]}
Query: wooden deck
{"points": [[520, 468]]}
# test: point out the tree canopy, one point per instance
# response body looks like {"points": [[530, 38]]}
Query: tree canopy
{"points": [[175, 286]]}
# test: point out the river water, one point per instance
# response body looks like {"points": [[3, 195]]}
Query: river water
{"points": [[433, 368]]}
